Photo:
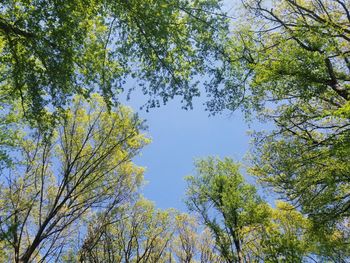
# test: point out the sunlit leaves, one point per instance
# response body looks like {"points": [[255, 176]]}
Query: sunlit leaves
{"points": [[83, 167], [226, 204]]}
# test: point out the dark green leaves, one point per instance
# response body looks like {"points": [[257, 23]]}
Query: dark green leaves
{"points": [[51, 50]]}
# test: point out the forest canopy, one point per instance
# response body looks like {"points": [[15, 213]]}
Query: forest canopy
{"points": [[69, 188], [51, 50]]}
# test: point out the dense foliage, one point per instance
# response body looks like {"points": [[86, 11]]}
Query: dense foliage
{"points": [[297, 65], [219, 186], [69, 191], [50, 50], [246, 228]]}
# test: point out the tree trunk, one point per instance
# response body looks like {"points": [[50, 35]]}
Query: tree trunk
{"points": [[239, 251]]}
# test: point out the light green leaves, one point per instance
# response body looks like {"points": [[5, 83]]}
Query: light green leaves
{"points": [[82, 168], [226, 204]]}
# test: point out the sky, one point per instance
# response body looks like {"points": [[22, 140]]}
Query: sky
{"points": [[178, 138]]}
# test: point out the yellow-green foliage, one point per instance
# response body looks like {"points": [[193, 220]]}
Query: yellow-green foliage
{"points": [[84, 166]]}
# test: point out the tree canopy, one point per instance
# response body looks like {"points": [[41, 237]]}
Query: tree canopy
{"points": [[69, 190], [51, 50], [247, 229], [226, 204], [296, 59], [84, 167]]}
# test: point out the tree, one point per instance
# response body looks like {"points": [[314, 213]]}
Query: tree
{"points": [[192, 243], [285, 238], [313, 38], [290, 66], [185, 243], [51, 50], [226, 204], [330, 244], [83, 167], [10, 129], [289, 236], [139, 233], [207, 248]]}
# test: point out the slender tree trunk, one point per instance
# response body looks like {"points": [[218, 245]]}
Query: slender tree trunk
{"points": [[239, 251]]}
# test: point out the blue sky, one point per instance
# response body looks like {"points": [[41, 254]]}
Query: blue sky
{"points": [[178, 138]]}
